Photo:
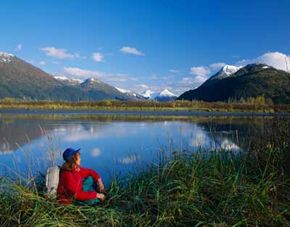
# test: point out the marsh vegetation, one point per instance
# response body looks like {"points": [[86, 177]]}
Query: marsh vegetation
{"points": [[207, 187]]}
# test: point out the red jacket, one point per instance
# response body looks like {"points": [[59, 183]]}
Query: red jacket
{"points": [[71, 185]]}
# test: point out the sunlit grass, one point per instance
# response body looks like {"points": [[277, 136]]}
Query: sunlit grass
{"points": [[233, 106]]}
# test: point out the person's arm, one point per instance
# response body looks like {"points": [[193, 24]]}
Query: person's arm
{"points": [[89, 172], [74, 189], [101, 185]]}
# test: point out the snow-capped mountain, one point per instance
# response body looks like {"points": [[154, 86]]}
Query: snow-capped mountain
{"points": [[21, 80], [226, 71], [148, 94], [91, 81], [165, 96], [252, 80], [230, 69], [167, 93], [130, 93], [6, 57], [123, 90]]}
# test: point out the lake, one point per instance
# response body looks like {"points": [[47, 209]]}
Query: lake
{"points": [[117, 144]]}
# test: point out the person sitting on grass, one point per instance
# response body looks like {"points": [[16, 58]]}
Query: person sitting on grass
{"points": [[77, 185]]}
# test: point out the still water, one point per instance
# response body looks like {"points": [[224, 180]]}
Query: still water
{"points": [[116, 145]]}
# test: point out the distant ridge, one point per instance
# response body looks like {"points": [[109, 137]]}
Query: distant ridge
{"points": [[252, 80], [21, 80], [165, 96]]}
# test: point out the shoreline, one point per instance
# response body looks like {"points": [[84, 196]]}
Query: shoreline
{"points": [[183, 113], [186, 108]]}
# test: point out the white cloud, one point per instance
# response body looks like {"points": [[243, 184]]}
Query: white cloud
{"points": [[58, 53], [174, 71], [187, 80], [98, 57], [18, 47], [82, 73], [199, 138], [42, 63], [113, 79], [275, 59], [131, 50], [200, 79], [217, 66], [229, 146], [120, 77], [145, 86], [200, 71]]}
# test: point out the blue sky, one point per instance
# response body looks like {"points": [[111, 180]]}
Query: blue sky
{"points": [[149, 44]]}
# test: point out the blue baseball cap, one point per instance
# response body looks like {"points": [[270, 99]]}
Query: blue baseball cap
{"points": [[69, 153]]}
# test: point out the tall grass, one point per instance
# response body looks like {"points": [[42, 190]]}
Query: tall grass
{"points": [[205, 188], [231, 106]]}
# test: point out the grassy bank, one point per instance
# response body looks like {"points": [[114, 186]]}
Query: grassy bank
{"points": [[189, 190], [212, 188], [146, 106]]}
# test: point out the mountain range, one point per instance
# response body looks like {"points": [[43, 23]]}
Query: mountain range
{"points": [[21, 80], [235, 83], [163, 96]]}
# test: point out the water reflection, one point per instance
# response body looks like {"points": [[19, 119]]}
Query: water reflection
{"points": [[116, 146]]}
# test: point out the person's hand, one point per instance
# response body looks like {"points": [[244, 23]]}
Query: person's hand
{"points": [[101, 196], [102, 189]]}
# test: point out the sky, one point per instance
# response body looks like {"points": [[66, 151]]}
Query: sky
{"points": [[146, 44]]}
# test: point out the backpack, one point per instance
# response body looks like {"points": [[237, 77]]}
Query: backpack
{"points": [[52, 180]]}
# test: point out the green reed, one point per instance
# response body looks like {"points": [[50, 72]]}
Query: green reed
{"points": [[146, 105], [205, 188]]}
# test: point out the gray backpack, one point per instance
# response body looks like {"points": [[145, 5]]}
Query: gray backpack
{"points": [[51, 180]]}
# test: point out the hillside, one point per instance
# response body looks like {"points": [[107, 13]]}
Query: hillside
{"points": [[250, 81], [21, 80]]}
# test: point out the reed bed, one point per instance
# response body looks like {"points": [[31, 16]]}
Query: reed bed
{"points": [[205, 188], [147, 105]]}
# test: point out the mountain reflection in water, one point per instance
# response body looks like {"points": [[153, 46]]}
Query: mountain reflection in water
{"points": [[117, 146]]}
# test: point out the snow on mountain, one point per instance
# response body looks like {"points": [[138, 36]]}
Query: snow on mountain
{"points": [[130, 93], [226, 71], [165, 96], [6, 57], [230, 69], [123, 90], [166, 93], [148, 94], [92, 80]]}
